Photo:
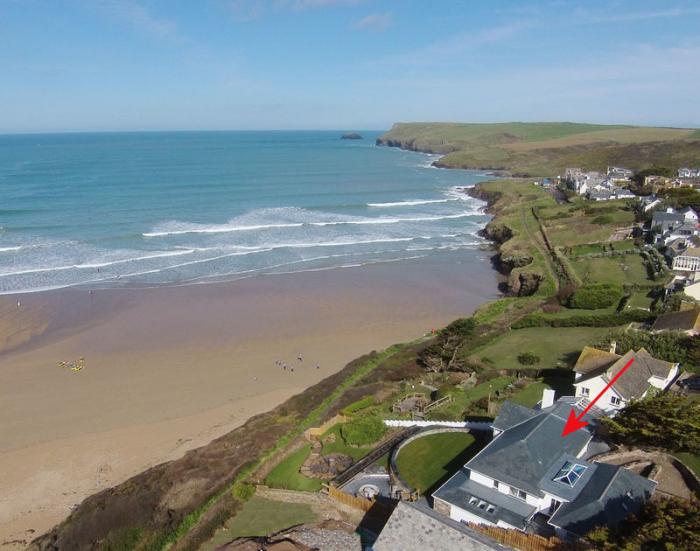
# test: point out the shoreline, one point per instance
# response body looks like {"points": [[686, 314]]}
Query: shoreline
{"points": [[141, 345]]}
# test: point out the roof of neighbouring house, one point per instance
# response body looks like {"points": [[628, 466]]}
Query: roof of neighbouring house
{"points": [[685, 320], [611, 494], [634, 382], [416, 526], [594, 359], [660, 217], [511, 414], [521, 455], [691, 251]]}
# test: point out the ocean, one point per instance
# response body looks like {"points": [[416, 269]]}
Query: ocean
{"points": [[144, 209]]}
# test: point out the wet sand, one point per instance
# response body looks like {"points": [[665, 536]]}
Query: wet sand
{"points": [[169, 369]]}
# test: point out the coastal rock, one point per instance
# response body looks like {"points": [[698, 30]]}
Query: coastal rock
{"points": [[524, 284], [351, 136]]}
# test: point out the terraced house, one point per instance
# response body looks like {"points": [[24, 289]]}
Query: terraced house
{"points": [[532, 479]]}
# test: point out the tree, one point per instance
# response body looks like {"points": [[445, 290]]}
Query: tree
{"points": [[668, 524], [679, 198], [667, 421], [672, 346]]}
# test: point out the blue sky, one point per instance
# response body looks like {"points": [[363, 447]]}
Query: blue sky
{"points": [[73, 65]]}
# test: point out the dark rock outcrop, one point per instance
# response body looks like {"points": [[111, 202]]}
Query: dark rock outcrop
{"points": [[351, 136]]}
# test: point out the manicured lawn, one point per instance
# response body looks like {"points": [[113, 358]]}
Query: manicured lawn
{"points": [[530, 395], [555, 346], [260, 517], [428, 460], [286, 475], [639, 300], [691, 461], [620, 270], [589, 248]]}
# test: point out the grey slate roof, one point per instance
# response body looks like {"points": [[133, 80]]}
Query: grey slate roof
{"points": [[523, 454], [459, 490], [511, 414], [611, 495], [413, 526]]}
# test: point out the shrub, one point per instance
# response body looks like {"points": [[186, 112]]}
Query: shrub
{"points": [[363, 403], [594, 297], [526, 358], [243, 491], [603, 219], [363, 431]]}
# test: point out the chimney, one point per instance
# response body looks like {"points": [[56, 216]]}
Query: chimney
{"points": [[613, 347], [547, 398]]}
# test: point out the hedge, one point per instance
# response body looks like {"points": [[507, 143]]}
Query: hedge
{"points": [[363, 431], [592, 320], [596, 296], [365, 402]]}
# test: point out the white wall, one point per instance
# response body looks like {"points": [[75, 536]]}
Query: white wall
{"points": [[595, 386], [461, 515]]}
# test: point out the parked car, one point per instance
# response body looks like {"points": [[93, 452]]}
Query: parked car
{"points": [[691, 383]]}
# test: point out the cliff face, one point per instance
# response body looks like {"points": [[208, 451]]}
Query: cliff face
{"points": [[521, 282]]}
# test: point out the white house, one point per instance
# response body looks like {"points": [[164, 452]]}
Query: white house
{"points": [[689, 172], [595, 368], [529, 469]]}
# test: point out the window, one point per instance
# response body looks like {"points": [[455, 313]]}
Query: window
{"points": [[495, 484], [569, 473], [518, 493], [585, 391], [490, 508], [615, 401], [473, 500]]}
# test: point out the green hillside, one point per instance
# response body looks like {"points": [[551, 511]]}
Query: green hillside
{"points": [[544, 149]]}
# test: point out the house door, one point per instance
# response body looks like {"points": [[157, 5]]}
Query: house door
{"points": [[554, 506]]}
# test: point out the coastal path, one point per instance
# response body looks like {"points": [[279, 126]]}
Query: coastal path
{"points": [[538, 239]]}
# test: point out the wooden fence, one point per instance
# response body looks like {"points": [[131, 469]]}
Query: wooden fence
{"points": [[521, 540], [316, 432], [352, 501]]}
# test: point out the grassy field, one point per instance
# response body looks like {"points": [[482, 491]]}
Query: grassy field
{"points": [[426, 461], [339, 445], [286, 475], [629, 269], [546, 149], [260, 517], [556, 347]]}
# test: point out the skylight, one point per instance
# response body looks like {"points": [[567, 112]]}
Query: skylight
{"points": [[570, 473]]}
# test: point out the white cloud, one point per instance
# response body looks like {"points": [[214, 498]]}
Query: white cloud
{"points": [[139, 18], [375, 21]]}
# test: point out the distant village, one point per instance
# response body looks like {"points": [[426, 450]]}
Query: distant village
{"points": [[675, 233]]}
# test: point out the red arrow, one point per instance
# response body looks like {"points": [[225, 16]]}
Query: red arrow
{"points": [[573, 423]]}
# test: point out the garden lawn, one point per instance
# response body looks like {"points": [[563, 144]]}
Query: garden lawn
{"points": [[260, 517], [621, 270], [555, 346], [426, 461], [530, 395], [286, 475], [691, 461]]}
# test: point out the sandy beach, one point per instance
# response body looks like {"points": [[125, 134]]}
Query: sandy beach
{"points": [[168, 369]]}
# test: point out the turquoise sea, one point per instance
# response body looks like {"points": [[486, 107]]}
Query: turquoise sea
{"points": [[168, 208]]}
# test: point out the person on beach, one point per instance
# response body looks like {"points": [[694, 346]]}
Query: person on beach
{"points": [[300, 358]]}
